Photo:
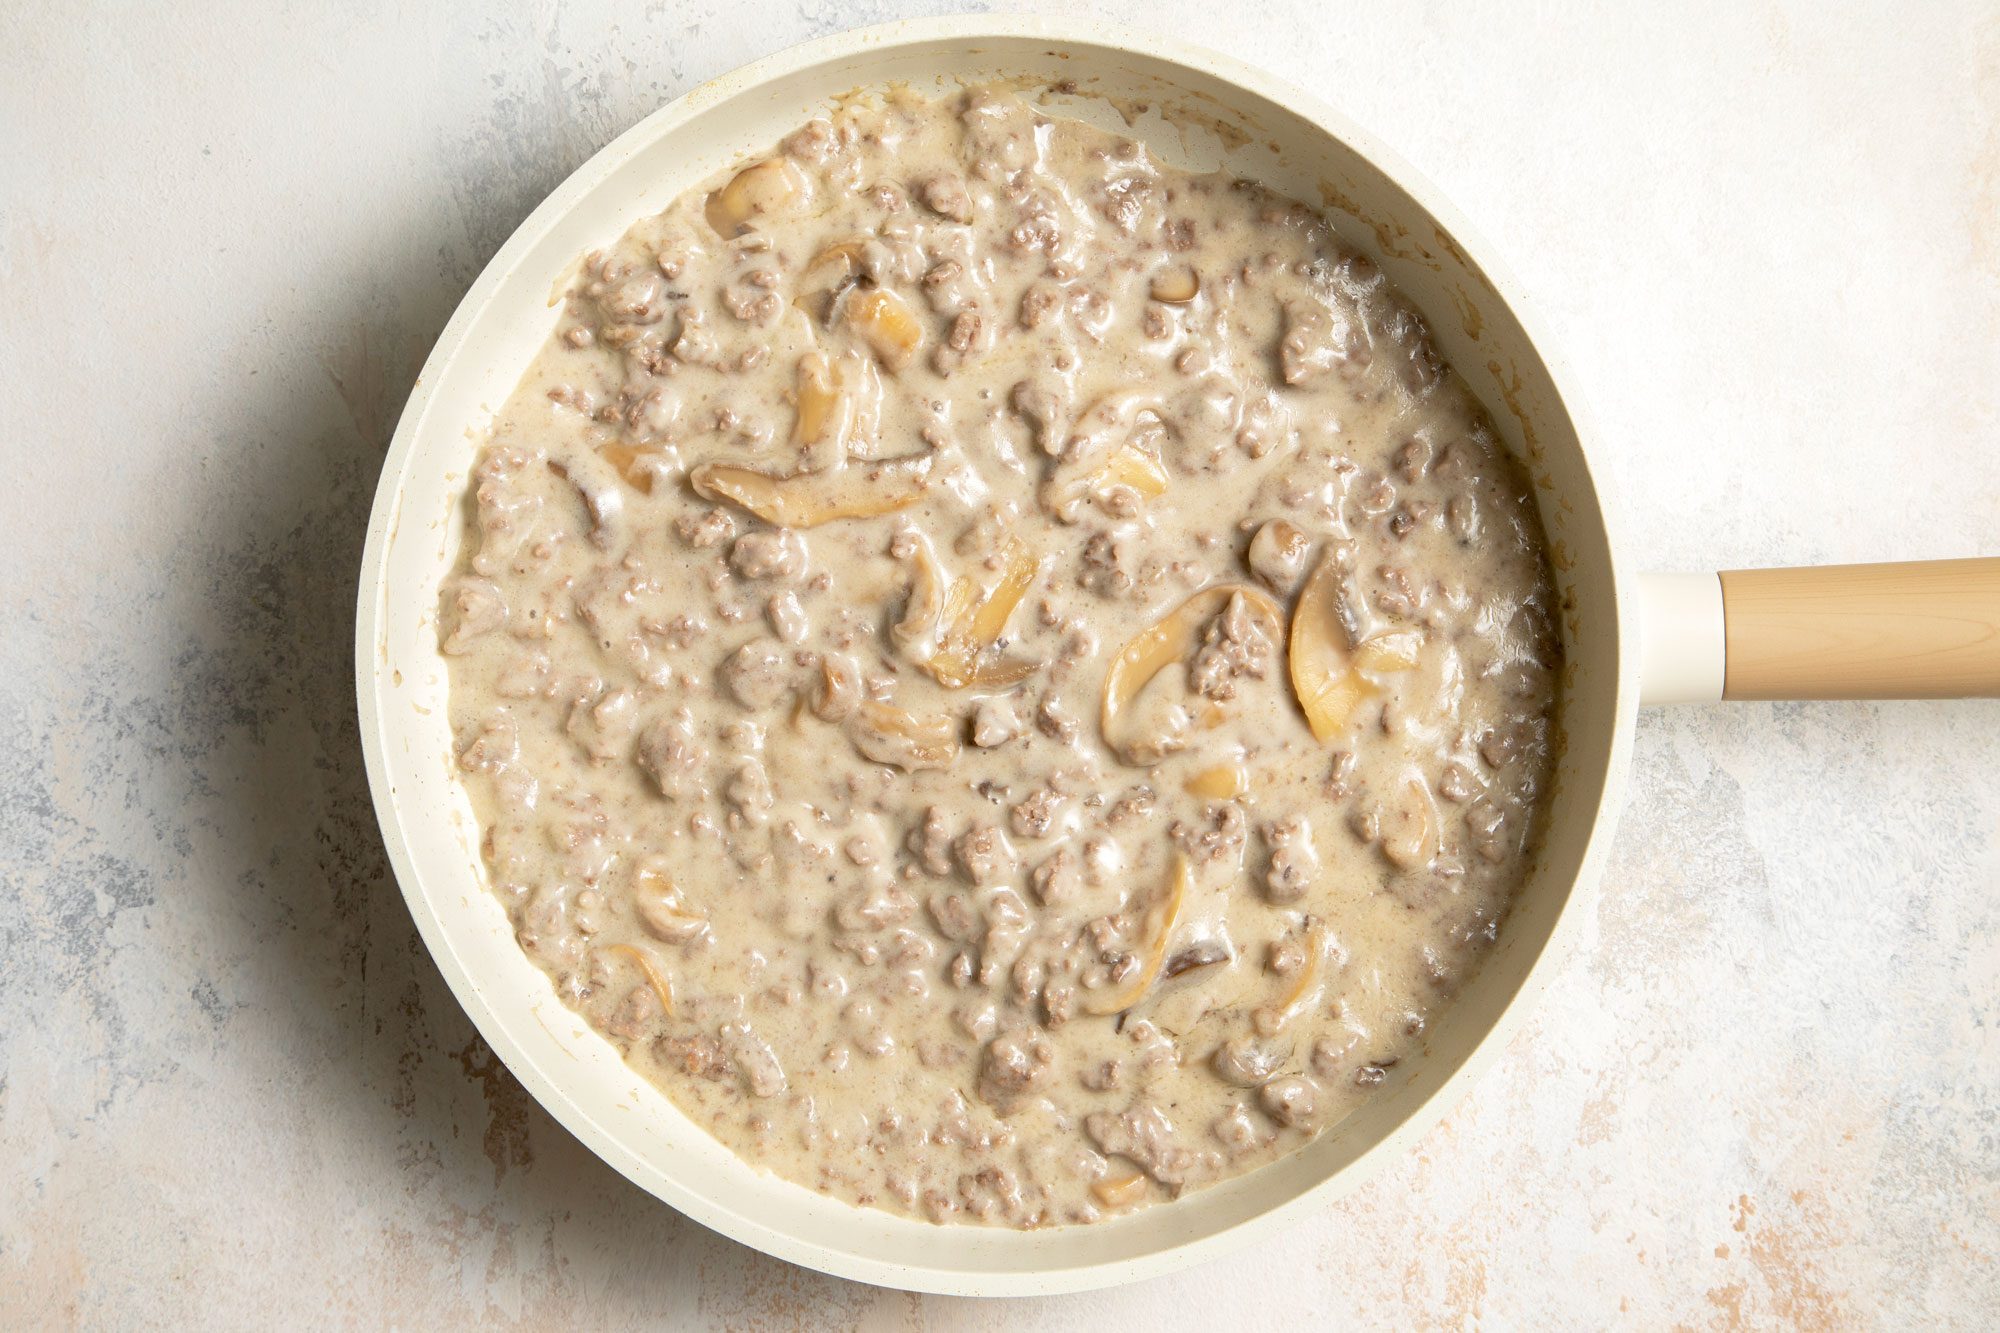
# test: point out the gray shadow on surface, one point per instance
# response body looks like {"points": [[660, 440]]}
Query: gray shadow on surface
{"points": [[408, 1091]]}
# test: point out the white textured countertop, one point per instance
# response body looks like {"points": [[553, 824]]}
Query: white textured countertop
{"points": [[233, 1089]]}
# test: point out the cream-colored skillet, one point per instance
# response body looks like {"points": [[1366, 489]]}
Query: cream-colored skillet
{"points": [[1856, 632]]}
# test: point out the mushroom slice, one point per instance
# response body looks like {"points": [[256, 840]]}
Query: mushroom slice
{"points": [[838, 403], [885, 322], [1224, 782], [1109, 448], [1175, 285], [1124, 997], [808, 499], [1329, 678], [1410, 827], [843, 257], [830, 272], [923, 612], [1003, 673], [1131, 465], [1121, 1190], [1328, 687], [773, 186], [891, 735], [818, 400], [836, 692], [661, 908], [1395, 651], [1109, 419], [638, 464], [1169, 640], [1295, 1001], [972, 627], [650, 969]]}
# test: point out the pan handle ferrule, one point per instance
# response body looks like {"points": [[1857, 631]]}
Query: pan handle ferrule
{"points": [[1681, 646]]}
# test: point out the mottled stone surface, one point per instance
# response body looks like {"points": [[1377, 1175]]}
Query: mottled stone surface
{"points": [[233, 1088]]}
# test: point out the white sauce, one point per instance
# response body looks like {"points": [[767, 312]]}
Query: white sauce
{"points": [[841, 793]]}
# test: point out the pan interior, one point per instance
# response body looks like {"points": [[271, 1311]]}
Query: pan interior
{"points": [[1195, 113]]}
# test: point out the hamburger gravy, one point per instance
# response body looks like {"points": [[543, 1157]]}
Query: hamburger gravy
{"points": [[1007, 678]]}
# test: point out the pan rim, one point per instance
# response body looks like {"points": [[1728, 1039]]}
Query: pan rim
{"points": [[606, 1142]]}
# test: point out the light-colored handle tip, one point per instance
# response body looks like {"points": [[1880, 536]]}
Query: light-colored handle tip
{"points": [[1925, 630], [1681, 648]]}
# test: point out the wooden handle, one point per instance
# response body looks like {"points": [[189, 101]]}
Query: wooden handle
{"points": [[1928, 630]]}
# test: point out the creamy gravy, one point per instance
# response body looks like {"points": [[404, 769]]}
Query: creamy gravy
{"points": [[1008, 678]]}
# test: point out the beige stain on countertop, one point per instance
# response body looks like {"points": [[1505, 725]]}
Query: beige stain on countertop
{"points": [[1786, 1284]]}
